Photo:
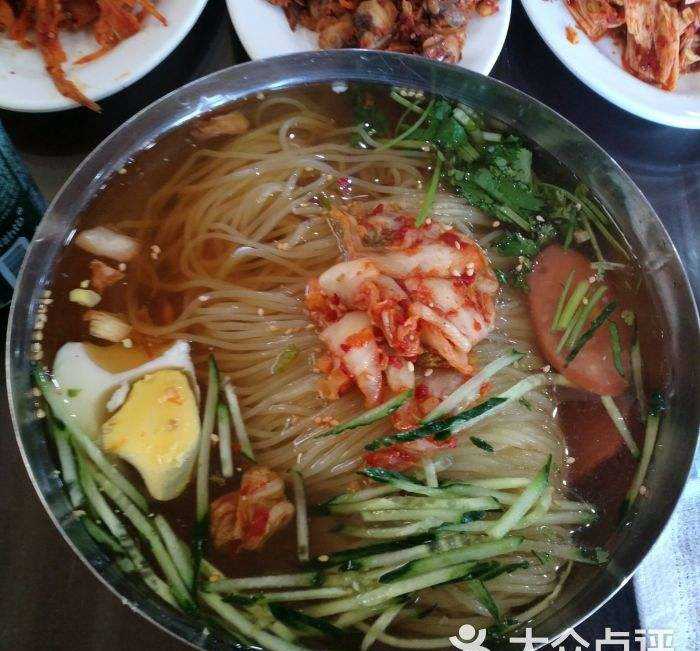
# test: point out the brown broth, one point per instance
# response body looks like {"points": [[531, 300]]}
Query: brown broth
{"points": [[124, 196]]}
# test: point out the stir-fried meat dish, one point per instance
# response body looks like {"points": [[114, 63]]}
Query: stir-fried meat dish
{"points": [[660, 40], [434, 28], [37, 23]]}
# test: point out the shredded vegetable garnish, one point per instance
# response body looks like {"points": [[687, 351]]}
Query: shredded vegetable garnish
{"points": [[616, 348], [595, 324]]}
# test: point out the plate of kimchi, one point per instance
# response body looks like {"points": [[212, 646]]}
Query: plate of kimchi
{"points": [[59, 54], [469, 33], [642, 55]]}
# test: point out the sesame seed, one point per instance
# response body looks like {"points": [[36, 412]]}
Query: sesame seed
{"points": [[46, 293], [458, 246], [310, 326], [36, 392], [155, 251], [428, 372], [260, 96], [85, 284], [37, 335], [324, 558], [410, 366], [127, 343], [122, 171], [214, 438], [122, 266], [592, 279], [496, 224], [584, 300], [470, 271], [40, 413], [539, 218], [203, 298], [546, 368], [261, 312], [428, 221], [455, 273], [36, 347], [519, 267], [570, 460]]}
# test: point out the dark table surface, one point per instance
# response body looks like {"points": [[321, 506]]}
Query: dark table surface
{"points": [[49, 599]]}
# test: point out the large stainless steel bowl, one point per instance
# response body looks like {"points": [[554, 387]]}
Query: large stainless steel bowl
{"points": [[669, 286]]}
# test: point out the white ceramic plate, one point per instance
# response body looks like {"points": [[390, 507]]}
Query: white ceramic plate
{"points": [[26, 86], [598, 65], [264, 32]]}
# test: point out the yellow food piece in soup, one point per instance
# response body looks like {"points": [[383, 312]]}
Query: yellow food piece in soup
{"points": [[157, 431]]}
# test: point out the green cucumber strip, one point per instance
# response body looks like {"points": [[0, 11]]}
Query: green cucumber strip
{"points": [[380, 625], [100, 507], [298, 620], [417, 502], [483, 596], [301, 580], [207, 430], [356, 496], [651, 431], [620, 424], [389, 591], [589, 556], [143, 525], [595, 324], [410, 515], [560, 303], [61, 410], [392, 532], [361, 614], [469, 391], [525, 501], [475, 552], [366, 552], [241, 623], [237, 417], [372, 416], [439, 428], [66, 460], [223, 429], [175, 548], [482, 444], [102, 537], [307, 595]]}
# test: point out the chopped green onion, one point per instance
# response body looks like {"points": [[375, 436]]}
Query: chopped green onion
{"points": [[572, 304], [561, 301], [430, 193], [595, 324], [616, 348], [285, 358], [585, 312], [412, 129], [373, 415], [638, 376]]}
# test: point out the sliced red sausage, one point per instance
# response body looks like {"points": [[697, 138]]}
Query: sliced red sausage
{"points": [[593, 368]]}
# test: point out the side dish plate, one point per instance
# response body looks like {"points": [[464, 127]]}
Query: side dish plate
{"points": [[264, 32], [598, 65], [26, 86]]}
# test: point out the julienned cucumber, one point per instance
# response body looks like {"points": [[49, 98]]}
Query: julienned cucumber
{"points": [[373, 415], [525, 501], [475, 552], [438, 428]]}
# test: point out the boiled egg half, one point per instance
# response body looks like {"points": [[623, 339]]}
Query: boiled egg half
{"points": [[144, 411]]}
